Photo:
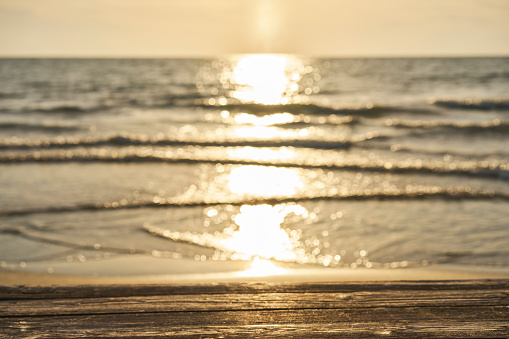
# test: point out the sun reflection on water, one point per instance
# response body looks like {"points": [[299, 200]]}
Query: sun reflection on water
{"points": [[264, 79], [267, 132], [264, 181], [266, 120], [260, 233], [262, 268], [261, 153]]}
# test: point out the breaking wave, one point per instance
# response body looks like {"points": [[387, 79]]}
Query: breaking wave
{"points": [[39, 127], [474, 168], [427, 192], [126, 140], [476, 104], [495, 126], [368, 110]]}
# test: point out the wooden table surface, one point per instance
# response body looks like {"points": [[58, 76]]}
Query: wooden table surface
{"points": [[290, 310]]}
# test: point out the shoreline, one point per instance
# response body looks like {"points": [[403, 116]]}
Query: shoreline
{"points": [[301, 275]]}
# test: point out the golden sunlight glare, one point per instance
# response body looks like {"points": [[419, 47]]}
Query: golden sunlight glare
{"points": [[266, 120], [262, 79], [262, 268], [267, 132], [264, 181], [261, 154], [260, 233]]}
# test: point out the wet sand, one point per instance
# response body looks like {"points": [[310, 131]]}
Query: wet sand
{"points": [[433, 273]]}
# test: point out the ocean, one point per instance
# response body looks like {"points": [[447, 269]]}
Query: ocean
{"points": [[187, 166]]}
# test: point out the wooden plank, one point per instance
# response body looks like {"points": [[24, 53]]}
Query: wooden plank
{"points": [[262, 301], [94, 291], [395, 309], [414, 322]]}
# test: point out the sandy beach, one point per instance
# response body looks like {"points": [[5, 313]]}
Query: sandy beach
{"points": [[185, 272]]}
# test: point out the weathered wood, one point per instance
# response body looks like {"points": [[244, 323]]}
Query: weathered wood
{"points": [[395, 309], [95, 291], [370, 322], [262, 301]]}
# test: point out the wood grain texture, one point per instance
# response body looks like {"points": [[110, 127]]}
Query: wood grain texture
{"points": [[395, 309]]}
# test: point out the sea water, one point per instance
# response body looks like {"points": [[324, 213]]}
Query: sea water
{"points": [[301, 162]]}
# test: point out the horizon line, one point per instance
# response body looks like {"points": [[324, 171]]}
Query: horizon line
{"points": [[222, 55]]}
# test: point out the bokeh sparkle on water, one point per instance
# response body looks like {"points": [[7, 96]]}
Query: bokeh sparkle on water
{"points": [[278, 160]]}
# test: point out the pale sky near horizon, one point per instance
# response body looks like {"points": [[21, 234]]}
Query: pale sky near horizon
{"points": [[159, 28]]}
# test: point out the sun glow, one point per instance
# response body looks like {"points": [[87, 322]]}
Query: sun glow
{"points": [[262, 79]]}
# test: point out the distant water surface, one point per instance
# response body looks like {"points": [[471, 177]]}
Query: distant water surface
{"points": [[299, 162]]}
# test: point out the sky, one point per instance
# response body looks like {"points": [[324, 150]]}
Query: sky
{"points": [[194, 28]]}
